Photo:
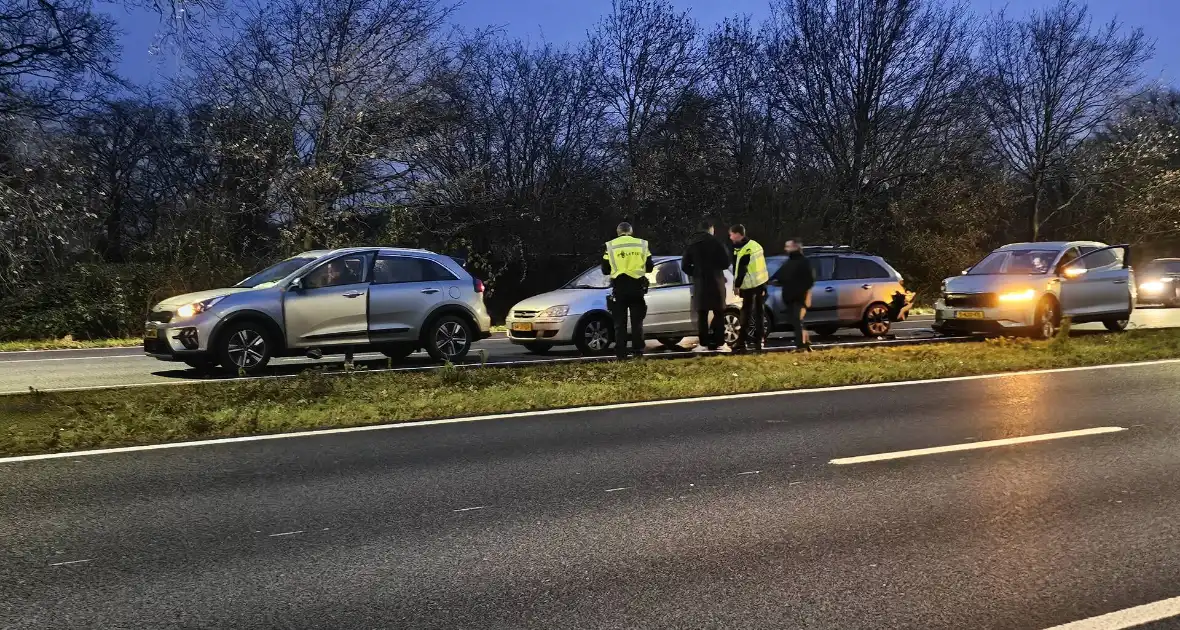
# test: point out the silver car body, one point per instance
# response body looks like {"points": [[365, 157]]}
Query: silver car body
{"points": [[373, 308], [848, 286], [1161, 283], [555, 318], [1003, 292]]}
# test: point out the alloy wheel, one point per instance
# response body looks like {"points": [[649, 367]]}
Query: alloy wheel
{"points": [[450, 339], [1049, 321], [246, 349], [732, 326], [877, 320], [597, 335]]}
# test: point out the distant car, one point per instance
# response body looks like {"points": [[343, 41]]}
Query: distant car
{"points": [[1028, 287], [1161, 283], [388, 300], [852, 290], [576, 314]]}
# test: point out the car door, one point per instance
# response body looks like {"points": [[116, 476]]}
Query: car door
{"points": [[823, 295], [1101, 286], [405, 290], [669, 300], [330, 304], [854, 290]]}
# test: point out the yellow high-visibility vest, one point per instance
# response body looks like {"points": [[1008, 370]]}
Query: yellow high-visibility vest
{"points": [[628, 257], [756, 273]]}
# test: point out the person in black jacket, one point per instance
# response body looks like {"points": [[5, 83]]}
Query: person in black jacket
{"points": [[706, 259], [796, 278]]}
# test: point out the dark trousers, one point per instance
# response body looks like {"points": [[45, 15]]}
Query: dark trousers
{"points": [[711, 334], [753, 303], [622, 306], [796, 311]]}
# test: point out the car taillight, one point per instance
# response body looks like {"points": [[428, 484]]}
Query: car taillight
{"points": [[478, 285]]}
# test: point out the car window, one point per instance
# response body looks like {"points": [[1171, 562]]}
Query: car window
{"points": [[1172, 267], [1100, 259], [666, 274], [592, 278], [1068, 257], [824, 267], [401, 269], [1015, 262], [870, 269], [858, 269], [338, 272], [773, 263], [274, 273]]}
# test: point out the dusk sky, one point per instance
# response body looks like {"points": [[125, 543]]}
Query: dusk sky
{"points": [[562, 21]]}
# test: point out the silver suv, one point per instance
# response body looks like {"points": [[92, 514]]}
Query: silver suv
{"points": [[1030, 287], [394, 301], [852, 290]]}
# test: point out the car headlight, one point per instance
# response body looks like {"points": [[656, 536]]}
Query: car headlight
{"points": [[1151, 287], [1018, 296], [555, 311], [196, 308]]}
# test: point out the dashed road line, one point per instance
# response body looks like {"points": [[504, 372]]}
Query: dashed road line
{"points": [[298, 531], [468, 509], [879, 457], [62, 564]]}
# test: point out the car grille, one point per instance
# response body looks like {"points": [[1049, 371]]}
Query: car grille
{"points": [[162, 317], [524, 314], [971, 300]]}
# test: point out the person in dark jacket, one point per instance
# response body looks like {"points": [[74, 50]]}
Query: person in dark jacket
{"points": [[706, 259], [796, 278]]}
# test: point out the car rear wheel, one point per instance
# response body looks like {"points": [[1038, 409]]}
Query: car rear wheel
{"points": [[1048, 320], [538, 348], [671, 343], [876, 322], [244, 348], [1116, 325], [594, 335], [449, 338]]}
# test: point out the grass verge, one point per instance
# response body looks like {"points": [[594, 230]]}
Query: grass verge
{"points": [[67, 343], [48, 422]]}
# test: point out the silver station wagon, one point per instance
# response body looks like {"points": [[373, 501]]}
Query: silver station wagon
{"points": [[1027, 288], [393, 301]]}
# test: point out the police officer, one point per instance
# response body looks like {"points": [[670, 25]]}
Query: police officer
{"points": [[750, 278], [627, 260]]}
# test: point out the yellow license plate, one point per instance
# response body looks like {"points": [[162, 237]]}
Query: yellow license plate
{"points": [[969, 315], [150, 333], [522, 326]]}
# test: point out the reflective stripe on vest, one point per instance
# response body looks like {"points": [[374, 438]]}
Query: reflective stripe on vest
{"points": [[756, 274], [628, 256]]}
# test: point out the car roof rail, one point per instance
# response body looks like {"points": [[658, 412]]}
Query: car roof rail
{"points": [[836, 249]]}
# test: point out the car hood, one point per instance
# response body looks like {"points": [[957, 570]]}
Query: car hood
{"points": [[190, 298], [996, 283], [579, 300]]}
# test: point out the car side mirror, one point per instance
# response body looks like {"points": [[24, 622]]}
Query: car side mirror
{"points": [[296, 285]]}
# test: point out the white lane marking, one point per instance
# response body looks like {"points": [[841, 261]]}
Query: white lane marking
{"points": [[298, 531], [478, 507], [618, 489], [751, 472], [62, 564], [116, 356], [515, 415], [861, 459], [1127, 618]]}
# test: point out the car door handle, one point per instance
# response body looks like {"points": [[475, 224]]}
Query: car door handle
{"points": [[1120, 282], [829, 290], [430, 290], [354, 294], [866, 286]]}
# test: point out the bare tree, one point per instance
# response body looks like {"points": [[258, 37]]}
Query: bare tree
{"points": [[867, 90], [1049, 81]]}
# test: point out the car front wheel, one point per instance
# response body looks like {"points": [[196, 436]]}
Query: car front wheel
{"points": [[244, 348], [1048, 320], [594, 335], [449, 338]]}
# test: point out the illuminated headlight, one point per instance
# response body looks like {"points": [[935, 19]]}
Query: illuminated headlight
{"points": [[1151, 287], [196, 308], [1018, 296], [555, 311]]}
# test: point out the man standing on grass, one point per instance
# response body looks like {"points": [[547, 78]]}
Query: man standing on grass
{"points": [[750, 278], [706, 260], [796, 278]]}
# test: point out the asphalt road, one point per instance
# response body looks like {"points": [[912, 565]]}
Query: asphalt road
{"points": [[718, 514], [66, 369]]}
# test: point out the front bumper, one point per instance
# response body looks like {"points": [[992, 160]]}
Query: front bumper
{"points": [[179, 340], [556, 331], [998, 319]]}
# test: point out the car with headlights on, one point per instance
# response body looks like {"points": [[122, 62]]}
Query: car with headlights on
{"points": [[1027, 288], [577, 314], [1161, 283], [394, 301]]}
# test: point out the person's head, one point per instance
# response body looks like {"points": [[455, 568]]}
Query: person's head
{"points": [[737, 233], [794, 244], [624, 229], [705, 226]]}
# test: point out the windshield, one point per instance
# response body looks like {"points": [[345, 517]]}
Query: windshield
{"points": [[1015, 262], [590, 279], [1161, 267], [274, 273]]}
